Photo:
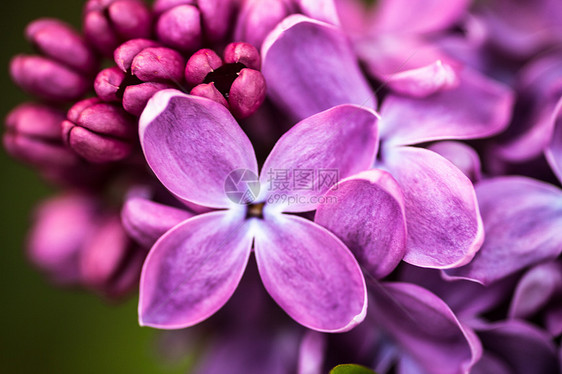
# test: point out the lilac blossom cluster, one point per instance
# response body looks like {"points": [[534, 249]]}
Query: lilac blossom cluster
{"points": [[198, 168]]}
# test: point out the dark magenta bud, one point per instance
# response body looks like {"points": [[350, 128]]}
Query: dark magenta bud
{"points": [[127, 51], [158, 65], [201, 63], [239, 82], [136, 96], [60, 42], [33, 136], [180, 28], [242, 53], [48, 79], [108, 23], [108, 83], [99, 132]]}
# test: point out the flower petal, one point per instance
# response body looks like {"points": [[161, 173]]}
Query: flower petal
{"points": [[425, 80], [553, 150], [524, 347], [310, 273], [312, 353], [522, 219], [424, 327], [366, 212], [535, 289], [315, 153], [192, 271], [417, 16], [444, 225], [145, 221], [462, 156], [192, 144], [309, 67], [478, 107], [467, 299]]}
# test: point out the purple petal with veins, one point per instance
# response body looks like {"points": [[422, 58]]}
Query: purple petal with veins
{"points": [[442, 217], [193, 270], [366, 212], [310, 273], [192, 158], [522, 218], [146, 221], [478, 107], [425, 328], [309, 67], [342, 139]]}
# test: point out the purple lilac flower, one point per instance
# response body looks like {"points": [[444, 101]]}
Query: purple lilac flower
{"points": [[192, 155], [443, 227], [510, 345]]}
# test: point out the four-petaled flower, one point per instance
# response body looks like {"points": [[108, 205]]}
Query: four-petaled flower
{"points": [[192, 144]]}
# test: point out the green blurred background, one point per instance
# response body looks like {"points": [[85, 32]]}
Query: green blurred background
{"points": [[45, 329]]}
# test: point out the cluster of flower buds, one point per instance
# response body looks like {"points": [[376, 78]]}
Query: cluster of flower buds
{"points": [[63, 70], [353, 161], [236, 82]]}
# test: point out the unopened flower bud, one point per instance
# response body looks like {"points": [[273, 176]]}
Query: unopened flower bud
{"points": [[108, 23], [108, 83], [61, 226], [136, 96], [158, 65], [48, 79], [180, 27], [258, 17], [99, 132], [104, 253], [247, 93], [33, 136], [201, 63], [242, 53], [126, 52], [209, 91], [237, 84], [60, 42]]}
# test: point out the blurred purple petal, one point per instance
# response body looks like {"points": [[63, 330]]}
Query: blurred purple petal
{"points": [[522, 218], [425, 328], [425, 80], [366, 212], [310, 273], [258, 17], [309, 67], [442, 218], [342, 140], [490, 364], [104, 253], [522, 346], [61, 226], [462, 156], [477, 107], [553, 150], [418, 16], [192, 271], [535, 289], [192, 144], [146, 221], [312, 353]]}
